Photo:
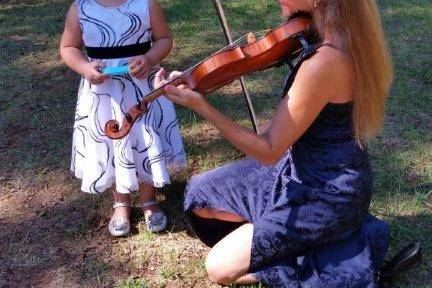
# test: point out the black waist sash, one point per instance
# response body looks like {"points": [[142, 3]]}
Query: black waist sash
{"points": [[118, 51]]}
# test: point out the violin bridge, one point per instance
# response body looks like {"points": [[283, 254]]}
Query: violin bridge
{"points": [[251, 38]]}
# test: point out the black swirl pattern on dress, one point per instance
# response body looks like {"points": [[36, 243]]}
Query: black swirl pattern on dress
{"points": [[107, 32], [145, 154]]}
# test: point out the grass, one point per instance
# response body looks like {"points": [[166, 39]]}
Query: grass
{"points": [[54, 236]]}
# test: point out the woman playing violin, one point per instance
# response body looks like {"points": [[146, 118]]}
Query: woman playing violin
{"points": [[293, 213]]}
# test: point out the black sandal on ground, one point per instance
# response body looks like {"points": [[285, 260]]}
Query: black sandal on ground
{"points": [[405, 260]]}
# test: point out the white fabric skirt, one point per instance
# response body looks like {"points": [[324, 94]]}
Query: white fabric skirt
{"points": [[147, 154]]}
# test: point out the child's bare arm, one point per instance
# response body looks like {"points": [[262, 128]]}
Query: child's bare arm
{"points": [[70, 50], [71, 42], [161, 34], [162, 43]]}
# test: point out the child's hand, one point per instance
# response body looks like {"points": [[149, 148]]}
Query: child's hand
{"points": [[93, 74], [140, 66]]}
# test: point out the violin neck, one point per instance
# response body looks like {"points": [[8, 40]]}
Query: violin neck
{"points": [[161, 90]]}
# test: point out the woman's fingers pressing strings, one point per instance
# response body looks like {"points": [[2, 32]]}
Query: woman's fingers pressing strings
{"points": [[160, 75], [174, 74], [172, 94], [160, 78]]}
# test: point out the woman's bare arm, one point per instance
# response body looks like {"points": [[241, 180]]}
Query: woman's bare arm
{"points": [[320, 80]]}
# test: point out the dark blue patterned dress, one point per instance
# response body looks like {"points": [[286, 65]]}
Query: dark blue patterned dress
{"points": [[311, 226]]}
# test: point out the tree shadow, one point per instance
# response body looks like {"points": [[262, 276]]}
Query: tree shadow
{"points": [[37, 104], [56, 236], [69, 235], [409, 229]]}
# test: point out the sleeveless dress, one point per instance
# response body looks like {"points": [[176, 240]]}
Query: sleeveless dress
{"points": [[154, 144], [309, 212]]}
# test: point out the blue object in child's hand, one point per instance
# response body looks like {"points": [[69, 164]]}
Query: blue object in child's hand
{"points": [[119, 70]]}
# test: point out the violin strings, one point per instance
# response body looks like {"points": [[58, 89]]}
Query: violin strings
{"points": [[233, 44], [245, 36]]}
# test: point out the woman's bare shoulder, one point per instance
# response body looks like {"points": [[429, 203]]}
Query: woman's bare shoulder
{"points": [[326, 61], [328, 73]]}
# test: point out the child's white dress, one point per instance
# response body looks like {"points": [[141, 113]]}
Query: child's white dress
{"points": [[154, 143]]}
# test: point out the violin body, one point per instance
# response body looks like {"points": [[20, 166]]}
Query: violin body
{"points": [[227, 65]]}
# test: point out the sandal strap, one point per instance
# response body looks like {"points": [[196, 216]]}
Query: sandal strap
{"points": [[148, 203], [121, 204]]}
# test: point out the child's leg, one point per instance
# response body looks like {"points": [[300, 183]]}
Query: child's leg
{"points": [[155, 218], [148, 193], [122, 212], [120, 224]]}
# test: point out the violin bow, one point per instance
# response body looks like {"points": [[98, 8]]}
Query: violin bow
{"points": [[222, 18]]}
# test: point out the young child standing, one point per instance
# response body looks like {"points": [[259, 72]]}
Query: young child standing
{"points": [[117, 33]]}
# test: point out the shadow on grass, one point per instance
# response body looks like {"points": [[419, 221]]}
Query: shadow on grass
{"points": [[57, 236], [69, 236], [37, 106], [409, 229]]}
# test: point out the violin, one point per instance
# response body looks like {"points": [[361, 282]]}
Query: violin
{"points": [[222, 68]]}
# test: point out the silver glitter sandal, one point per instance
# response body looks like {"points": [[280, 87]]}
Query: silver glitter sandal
{"points": [[119, 227], [157, 221]]}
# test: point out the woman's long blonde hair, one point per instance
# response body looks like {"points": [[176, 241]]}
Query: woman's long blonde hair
{"points": [[356, 28]]}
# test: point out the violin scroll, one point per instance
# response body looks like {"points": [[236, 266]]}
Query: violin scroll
{"points": [[112, 127]]}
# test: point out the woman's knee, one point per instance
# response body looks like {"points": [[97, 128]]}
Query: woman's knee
{"points": [[216, 270], [230, 258]]}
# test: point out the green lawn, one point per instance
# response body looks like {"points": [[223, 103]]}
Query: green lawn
{"points": [[54, 236]]}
